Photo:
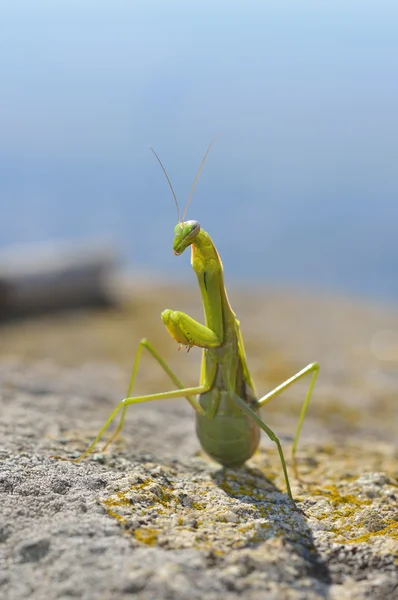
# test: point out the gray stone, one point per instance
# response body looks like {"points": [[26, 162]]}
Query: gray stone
{"points": [[154, 518]]}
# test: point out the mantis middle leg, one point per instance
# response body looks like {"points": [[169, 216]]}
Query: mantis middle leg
{"points": [[144, 343], [177, 324], [188, 392], [311, 368]]}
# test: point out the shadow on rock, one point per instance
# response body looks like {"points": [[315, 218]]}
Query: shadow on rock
{"points": [[275, 518]]}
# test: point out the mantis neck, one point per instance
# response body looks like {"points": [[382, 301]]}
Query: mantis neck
{"points": [[208, 267]]}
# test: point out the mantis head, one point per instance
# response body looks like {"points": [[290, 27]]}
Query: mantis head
{"points": [[185, 232]]}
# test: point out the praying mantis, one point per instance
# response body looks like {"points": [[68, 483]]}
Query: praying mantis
{"points": [[228, 422]]}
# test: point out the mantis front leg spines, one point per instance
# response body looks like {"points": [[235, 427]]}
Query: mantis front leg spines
{"points": [[228, 422]]}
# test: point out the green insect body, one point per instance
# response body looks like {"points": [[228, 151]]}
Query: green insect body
{"points": [[226, 433], [228, 421]]}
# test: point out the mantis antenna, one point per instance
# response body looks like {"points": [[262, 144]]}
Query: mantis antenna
{"points": [[169, 182], [197, 176]]}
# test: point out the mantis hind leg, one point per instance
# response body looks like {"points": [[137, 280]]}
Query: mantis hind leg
{"points": [[311, 368], [246, 408]]}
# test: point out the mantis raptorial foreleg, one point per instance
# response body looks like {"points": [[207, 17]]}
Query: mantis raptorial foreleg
{"points": [[314, 368], [188, 332]]}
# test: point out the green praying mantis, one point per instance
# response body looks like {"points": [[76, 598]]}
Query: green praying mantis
{"points": [[228, 422]]}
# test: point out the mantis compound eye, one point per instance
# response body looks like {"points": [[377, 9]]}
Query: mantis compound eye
{"points": [[194, 228]]}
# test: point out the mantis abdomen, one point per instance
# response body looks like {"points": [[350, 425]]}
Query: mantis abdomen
{"points": [[231, 437]]}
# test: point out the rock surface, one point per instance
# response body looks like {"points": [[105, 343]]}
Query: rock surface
{"points": [[154, 518]]}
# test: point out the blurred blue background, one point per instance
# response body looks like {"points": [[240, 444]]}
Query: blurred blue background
{"points": [[300, 188]]}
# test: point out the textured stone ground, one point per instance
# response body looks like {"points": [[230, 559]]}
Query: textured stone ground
{"points": [[153, 517]]}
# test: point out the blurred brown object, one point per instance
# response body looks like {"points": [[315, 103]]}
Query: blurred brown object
{"points": [[56, 276]]}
